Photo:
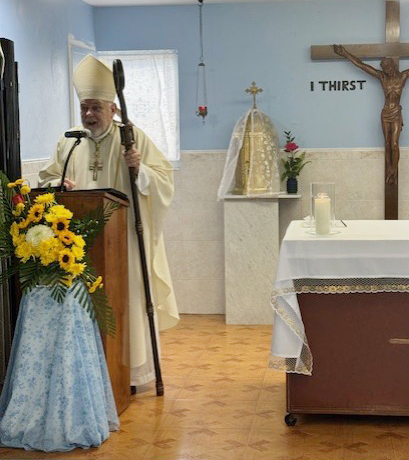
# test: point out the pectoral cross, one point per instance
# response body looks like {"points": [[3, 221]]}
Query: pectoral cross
{"points": [[391, 48], [96, 166]]}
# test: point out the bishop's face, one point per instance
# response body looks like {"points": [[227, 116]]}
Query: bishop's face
{"points": [[97, 115]]}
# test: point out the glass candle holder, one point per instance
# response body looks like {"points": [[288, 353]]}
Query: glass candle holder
{"points": [[322, 207]]}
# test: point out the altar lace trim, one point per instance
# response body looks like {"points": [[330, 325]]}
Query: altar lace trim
{"points": [[304, 363]]}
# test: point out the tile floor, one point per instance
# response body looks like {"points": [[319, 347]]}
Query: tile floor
{"points": [[222, 402]]}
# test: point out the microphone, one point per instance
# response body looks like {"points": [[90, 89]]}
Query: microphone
{"points": [[78, 134]]}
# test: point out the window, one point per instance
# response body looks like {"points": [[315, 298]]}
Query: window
{"points": [[151, 91], [152, 94]]}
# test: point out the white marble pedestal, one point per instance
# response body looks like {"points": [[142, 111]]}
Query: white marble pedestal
{"points": [[251, 247]]}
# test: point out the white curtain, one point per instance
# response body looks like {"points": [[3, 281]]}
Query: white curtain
{"points": [[152, 94]]}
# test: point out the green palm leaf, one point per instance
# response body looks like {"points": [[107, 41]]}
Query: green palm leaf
{"points": [[6, 205], [58, 291], [96, 303], [90, 225], [29, 275], [103, 311]]}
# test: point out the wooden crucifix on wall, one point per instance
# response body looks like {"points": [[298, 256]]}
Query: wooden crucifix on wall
{"points": [[392, 82]]}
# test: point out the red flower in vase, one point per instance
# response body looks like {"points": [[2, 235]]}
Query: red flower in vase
{"points": [[290, 147], [294, 162]]}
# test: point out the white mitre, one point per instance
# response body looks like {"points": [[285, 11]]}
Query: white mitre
{"points": [[94, 80]]}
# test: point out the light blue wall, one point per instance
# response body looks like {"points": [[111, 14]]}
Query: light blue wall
{"points": [[268, 43], [39, 29]]}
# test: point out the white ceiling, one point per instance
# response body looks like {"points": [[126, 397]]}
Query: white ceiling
{"points": [[177, 2], [158, 2]]}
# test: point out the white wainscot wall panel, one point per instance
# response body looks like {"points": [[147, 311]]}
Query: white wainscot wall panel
{"points": [[194, 231], [30, 169]]}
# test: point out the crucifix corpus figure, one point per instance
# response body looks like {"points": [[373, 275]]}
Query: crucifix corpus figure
{"points": [[96, 166], [393, 82]]}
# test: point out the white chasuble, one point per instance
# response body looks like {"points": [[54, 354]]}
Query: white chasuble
{"points": [[155, 185]]}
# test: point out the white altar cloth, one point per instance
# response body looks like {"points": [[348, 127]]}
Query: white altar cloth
{"points": [[364, 249]]}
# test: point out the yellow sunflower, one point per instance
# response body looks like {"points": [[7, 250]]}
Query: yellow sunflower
{"points": [[66, 237], [45, 198], [97, 283], [35, 213], [76, 269], [24, 251], [60, 224], [66, 258]]}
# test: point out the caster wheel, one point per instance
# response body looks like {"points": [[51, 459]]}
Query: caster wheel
{"points": [[290, 420]]}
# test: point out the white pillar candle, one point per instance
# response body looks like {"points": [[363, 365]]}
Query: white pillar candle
{"points": [[322, 214]]}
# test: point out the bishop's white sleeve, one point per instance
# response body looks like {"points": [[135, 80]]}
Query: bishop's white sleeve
{"points": [[143, 180], [155, 181]]}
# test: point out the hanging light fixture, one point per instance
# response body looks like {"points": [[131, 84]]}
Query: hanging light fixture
{"points": [[201, 96]]}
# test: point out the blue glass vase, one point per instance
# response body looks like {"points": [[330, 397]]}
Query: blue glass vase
{"points": [[292, 185]]}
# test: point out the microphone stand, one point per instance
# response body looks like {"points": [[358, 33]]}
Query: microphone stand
{"points": [[76, 143]]}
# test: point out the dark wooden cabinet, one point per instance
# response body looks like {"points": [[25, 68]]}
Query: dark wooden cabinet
{"points": [[360, 348]]}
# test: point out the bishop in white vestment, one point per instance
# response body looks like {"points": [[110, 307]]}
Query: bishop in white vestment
{"points": [[99, 162]]}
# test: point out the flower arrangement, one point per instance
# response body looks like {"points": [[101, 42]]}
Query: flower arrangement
{"points": [[47, 246], [294, 163]]}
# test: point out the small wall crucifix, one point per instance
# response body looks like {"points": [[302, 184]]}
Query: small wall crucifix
{"points": [[96, 166], [392, 82]]}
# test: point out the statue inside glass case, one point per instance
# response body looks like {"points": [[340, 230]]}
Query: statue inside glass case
{"points": [[252, 163]]}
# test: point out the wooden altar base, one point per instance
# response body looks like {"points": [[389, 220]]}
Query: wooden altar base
{"points": [[360, 348]]}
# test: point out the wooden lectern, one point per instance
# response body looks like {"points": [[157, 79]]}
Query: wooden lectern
{"points": [[109, 255]]}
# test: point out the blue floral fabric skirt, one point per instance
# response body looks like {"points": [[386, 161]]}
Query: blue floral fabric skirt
{"points": [[57, 394]]}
